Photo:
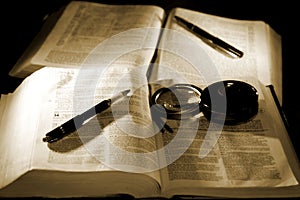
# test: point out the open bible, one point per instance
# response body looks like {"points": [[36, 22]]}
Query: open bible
{"points": [[93, 52]]}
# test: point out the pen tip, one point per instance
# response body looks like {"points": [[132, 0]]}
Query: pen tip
{"points": [[119, 95], [125, 92], [179, 19]]}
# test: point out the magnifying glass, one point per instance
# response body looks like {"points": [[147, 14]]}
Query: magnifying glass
{"points": [[229, 101]]}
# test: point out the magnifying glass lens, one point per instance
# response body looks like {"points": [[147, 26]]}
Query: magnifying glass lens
{"points": [[179, 100]]}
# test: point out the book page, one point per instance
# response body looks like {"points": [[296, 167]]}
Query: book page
{"points": [[246, 156], [104, 142], [20, 112], [77, 149], [95, 147], [260, 44], [85, 25], [116, 63], [3, 98]]}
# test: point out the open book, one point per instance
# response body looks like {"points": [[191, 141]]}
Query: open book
{"points": [[95, 51]]}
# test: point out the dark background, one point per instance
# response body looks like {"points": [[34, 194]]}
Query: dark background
{"points": [[21, 21]]}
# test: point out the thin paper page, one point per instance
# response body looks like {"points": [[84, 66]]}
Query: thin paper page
{"points": [[88, 148], [17, 139], [2, 105], [139, 48], [247, 36], [116, 64], [52, 104], [184, 58], [244, 156], [84, 26]]}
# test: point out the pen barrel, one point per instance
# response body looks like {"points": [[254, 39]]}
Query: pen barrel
{"points": [[100, 107], [76, 122], [62, 130], [217, 41], [210, 39], [227, 47]]}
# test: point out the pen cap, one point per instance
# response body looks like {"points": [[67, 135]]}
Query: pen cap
{"points": [[230, 100]]}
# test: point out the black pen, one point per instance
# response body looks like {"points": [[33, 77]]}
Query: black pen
{"points": [[77, 121], [211, 40]]}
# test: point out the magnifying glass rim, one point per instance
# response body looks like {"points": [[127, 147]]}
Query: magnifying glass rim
{"points": [[194, 108], [245, 111], [202, 106]]}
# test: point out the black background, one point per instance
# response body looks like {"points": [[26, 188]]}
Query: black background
{"points": [[21, 21]]}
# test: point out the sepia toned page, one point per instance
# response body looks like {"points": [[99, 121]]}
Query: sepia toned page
{"points": [[20, 115], [260, 44], [39, 106], [3, 98], [107, 141], [249, 156], [246, 156], [82, 27], [116, 65]]}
